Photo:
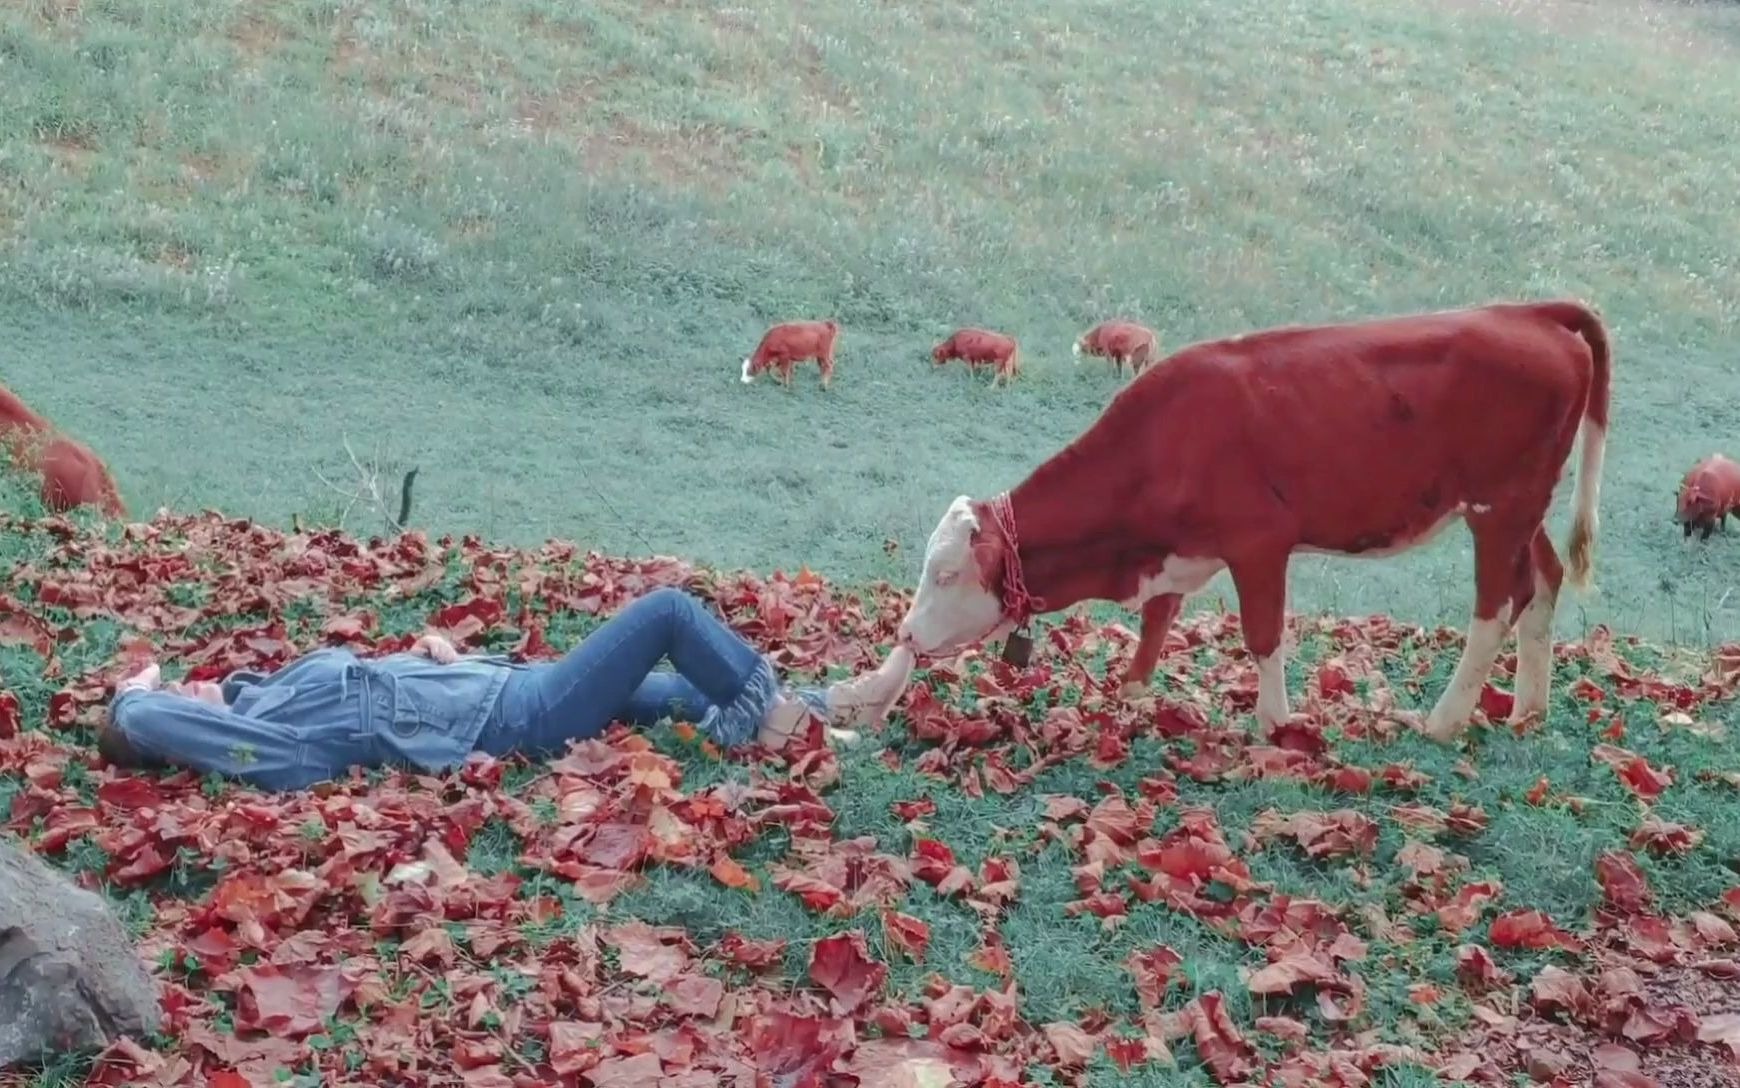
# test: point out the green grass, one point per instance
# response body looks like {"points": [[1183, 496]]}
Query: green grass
{"points": [[524, 245]]}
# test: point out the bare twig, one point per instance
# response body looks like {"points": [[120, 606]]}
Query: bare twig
{"points": [[367, 490], [605, 499]]}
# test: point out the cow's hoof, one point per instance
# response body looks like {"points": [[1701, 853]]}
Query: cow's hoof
{"points": [[1442, 731], [843, 738], [1132, 689], [1521, 715]]}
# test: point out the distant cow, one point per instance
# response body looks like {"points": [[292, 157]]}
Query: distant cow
{"points": [[784, 346], [1356, 439], [1122, 342], [981, 347], [71, 474], [1708, 494]]}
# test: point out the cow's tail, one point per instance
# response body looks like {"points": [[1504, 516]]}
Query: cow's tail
{"points": [[1580, 551], [1015, 360]]}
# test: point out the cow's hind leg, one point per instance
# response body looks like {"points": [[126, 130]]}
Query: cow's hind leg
{"points": [[1261, 583], [1499, 554], [1534, 601], [1158, 616]]}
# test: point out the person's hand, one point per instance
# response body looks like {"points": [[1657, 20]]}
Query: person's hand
{"points": [[435, 648], [206, 691], [149, 678]]}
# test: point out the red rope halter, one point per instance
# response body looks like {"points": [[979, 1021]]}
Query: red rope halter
{"points": [[1018, 604]]}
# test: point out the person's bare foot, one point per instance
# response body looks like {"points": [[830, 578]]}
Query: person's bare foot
{"points": [[790, 715], [844, 707], [866, 699]]}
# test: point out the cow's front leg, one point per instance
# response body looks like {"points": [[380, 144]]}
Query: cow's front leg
{"points": [[1262, 588], [1158, 615]]}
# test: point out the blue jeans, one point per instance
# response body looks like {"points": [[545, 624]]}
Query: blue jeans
{"points": [[721, 682]]}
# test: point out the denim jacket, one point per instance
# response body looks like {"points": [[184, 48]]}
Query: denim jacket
{"points": [[320, 715]]}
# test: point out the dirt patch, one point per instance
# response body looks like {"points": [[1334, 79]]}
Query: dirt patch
{"points": [[680, 156], [1668, 28], [59, 12], [176, 256], [565, 109], [201, 169], [561, 30], [471, 228], [71, 151], [255, 33], [818, 85]]}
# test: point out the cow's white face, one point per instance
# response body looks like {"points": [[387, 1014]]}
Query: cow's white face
{"points": [[952, 607], [748, 374]]}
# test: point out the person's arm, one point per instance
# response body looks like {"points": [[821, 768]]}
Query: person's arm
{"points": [[437, 649], [153, 728]]}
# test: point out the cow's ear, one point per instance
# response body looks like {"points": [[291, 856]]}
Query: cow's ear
{"points": [[988, 558], [962, 510]]}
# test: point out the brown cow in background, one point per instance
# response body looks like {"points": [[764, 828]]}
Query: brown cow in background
{"points": [[981, 347], [784, 346], [1122, 342], [1708, 494], [71, 474]]}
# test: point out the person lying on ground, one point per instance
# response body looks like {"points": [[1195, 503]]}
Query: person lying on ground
{"points": [[430, 707]]}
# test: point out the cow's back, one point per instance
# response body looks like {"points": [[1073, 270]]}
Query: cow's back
{"points": [[1356, 433]]}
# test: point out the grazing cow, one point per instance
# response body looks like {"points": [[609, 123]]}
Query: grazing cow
{"points": [[981, 347], [1121, 342], [1358, 439], [1709, 493], [784, 346], [71, 474]]}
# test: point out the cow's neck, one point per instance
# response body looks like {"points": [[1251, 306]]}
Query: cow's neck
{"points": [[1070, 523], [14, 413]]}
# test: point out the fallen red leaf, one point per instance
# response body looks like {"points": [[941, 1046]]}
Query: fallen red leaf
{"points": [[728, 872], [906, 933], [1225, 1051], [841, 966], [289, 1001], [1530, 929], [1622, 882]]}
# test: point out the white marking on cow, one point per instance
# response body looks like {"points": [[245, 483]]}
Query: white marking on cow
{"points": [[944, 617], [1178, 574], [1075, 350], [1588, 520], [746, 376], [1450, 715], [1272, 690], [1534, 652], [1479, 508]]}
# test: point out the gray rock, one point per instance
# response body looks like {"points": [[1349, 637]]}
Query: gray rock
{"points": [[69, 978]]}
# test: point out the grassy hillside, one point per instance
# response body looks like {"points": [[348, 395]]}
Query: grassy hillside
{"points": [[524, 245]]}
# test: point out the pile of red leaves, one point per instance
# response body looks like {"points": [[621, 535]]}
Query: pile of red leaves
{"points": [[340, 934]]}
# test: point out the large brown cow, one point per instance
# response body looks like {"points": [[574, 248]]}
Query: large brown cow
{"points": [[785, 345], [71, 474], [1359, 439], [1708, 494]]}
